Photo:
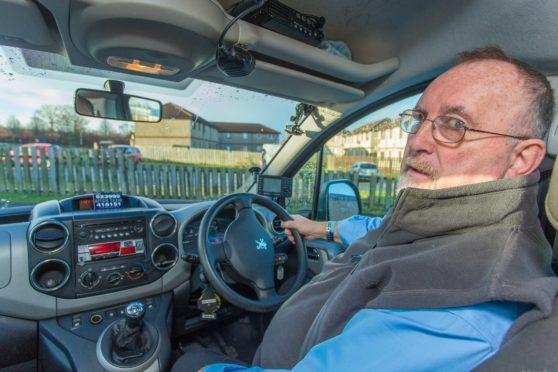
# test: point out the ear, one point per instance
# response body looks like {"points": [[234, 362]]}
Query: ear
{"points": [[526, 156]]}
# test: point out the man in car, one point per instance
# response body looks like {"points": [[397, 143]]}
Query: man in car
{"points": [[460, 262]]}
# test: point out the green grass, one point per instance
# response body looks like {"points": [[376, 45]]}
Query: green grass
{"points": [[162, 162], [18, 198]]}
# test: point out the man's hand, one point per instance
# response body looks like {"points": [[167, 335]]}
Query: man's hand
{"points": [[307, 228]]}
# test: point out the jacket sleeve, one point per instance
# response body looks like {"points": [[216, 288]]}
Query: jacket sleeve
{"points": [[354, 227]]}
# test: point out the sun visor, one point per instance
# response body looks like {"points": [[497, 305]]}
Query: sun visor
{"points": [[16, 32]]}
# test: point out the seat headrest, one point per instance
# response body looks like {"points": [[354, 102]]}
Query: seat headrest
{"points": [[551, 201]]}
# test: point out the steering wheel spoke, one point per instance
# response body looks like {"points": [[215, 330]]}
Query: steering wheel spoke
{"points": [[216, 253], [243, 203], [267, 294]]}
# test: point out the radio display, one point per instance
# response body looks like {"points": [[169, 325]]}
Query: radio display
{"points": [[101, 251], [85, 204]]}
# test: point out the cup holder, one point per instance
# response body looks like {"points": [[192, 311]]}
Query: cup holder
{"points": [[164, 256], [50, 275]]}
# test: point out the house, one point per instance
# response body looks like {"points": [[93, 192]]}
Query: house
{"points": [[391, 139], [245, 137], [177, 128]]}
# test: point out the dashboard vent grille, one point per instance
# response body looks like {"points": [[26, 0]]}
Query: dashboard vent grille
{"points": [[49, 236], [164, 256], [163, 225]]}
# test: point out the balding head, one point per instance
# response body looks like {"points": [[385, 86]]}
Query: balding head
{"points": [[539, 97], [490, 99]]}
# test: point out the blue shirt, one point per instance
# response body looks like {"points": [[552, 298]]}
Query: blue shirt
{"points": [[354, 227], [456, 339]]}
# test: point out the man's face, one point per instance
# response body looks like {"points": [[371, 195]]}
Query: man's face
{"points": [[485, 95]]}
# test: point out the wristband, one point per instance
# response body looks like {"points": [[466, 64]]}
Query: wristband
{"points": [[330, 229]]}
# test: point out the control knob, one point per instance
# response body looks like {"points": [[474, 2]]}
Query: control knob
{"points": [[89, 279], [135, 272], [114, 278]]}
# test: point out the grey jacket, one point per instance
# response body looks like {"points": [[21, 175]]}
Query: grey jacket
{"points": [[444, 248]]}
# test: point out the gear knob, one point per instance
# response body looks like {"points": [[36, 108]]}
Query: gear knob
{"points": [[135, 311]]}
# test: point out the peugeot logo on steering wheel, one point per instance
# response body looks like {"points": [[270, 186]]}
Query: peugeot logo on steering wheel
{"points": [[261, 244]]}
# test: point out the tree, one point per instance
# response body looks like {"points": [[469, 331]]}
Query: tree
{"points": [[14, 125], [50, 115], [37, 125], [73, 124], [125, 129], [105, 129]]}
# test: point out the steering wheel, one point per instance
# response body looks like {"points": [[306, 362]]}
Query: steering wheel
{"points": [[248, 248]]}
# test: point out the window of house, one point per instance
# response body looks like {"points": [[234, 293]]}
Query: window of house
{"points": [[228, 135], [244, 135]]}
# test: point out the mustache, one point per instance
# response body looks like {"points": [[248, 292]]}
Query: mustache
{"points": [[420, 165]]}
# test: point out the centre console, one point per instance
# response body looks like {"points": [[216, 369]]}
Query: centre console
{"points": [[80, 254], [110, 255], [126, 337], [105, 269]]}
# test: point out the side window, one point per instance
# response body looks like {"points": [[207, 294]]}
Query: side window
{"points": [[371, 163], [303, 187]]}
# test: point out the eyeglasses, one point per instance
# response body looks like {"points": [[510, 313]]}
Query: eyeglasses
{"points": [[444, 128]]}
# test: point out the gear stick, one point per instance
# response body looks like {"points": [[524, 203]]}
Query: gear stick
{"points": [[129, 339]]}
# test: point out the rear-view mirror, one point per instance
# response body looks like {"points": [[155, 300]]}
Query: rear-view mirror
{"points": [[117, 106]]}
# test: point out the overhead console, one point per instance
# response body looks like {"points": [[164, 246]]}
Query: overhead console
{"points": [[74, 253], [178, 38]]}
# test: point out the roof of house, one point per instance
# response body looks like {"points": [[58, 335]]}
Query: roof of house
{"points": [[377, 126], [243, 127], [174, 111]]}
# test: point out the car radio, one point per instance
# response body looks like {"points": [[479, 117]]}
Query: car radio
{"points": [[110, 255], [101, 251], [91, 232]]}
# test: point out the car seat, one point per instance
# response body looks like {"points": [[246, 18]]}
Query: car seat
{"points": [[534, 348]]}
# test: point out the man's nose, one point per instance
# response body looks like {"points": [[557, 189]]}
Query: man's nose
{"points": [[422, 140]]}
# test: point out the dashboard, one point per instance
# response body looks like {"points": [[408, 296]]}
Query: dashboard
{"points": [[216, 231], [70, 258]]}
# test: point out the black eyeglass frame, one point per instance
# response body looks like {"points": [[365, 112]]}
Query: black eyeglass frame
{"points": [[410, 112]]}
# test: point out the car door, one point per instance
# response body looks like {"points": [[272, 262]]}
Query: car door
{"points": [[375, 138]]}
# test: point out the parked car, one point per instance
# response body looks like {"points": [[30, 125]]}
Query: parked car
{"points": [[111, 152], [30, 148], [365, 169], [70, 269]]}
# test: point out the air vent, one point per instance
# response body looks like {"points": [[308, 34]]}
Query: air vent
{"points": [[276, 224], [49, 236], [163, 225], [164, 256], [50, 275]]}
